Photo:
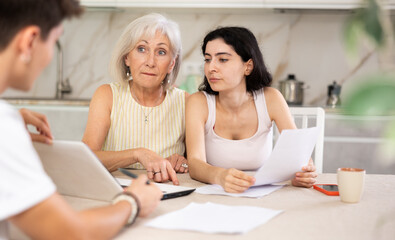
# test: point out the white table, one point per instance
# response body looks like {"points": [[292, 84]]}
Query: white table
{"points": [[308, 214]]}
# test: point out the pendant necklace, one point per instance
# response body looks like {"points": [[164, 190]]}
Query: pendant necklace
{"points": [[146, 120]]}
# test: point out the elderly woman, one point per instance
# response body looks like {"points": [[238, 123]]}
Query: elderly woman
{"points": [[138, 120]]}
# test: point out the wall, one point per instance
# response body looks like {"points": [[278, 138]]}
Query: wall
{"points": [[306, 43]]}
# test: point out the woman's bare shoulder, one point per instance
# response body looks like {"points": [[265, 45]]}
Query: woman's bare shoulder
{"points": [[197, 104], [197, 108], [103, 91], [102, 96], [272, 93], [197, 98], [275, 102]]}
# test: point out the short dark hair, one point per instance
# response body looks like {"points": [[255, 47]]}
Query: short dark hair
{"points": [[246, 46], [46, 14]]}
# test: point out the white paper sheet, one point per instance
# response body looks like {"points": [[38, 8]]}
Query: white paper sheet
{"points": [[292, 151], [166, 188], [253, 192], [214, 218]]}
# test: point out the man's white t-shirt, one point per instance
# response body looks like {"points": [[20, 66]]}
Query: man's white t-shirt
{"points": [[23, 181]]}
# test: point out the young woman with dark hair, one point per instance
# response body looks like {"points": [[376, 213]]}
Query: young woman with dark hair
{"points": [[229, 122], [245, 45]]}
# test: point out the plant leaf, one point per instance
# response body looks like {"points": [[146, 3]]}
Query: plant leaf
{"points": [[372, 23], [375, 97]]}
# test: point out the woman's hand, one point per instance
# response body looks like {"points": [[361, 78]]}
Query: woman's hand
{"points": [[158, 168], [179, 163], [306, 178], [148, 195], [40, 122], [235, 181]]}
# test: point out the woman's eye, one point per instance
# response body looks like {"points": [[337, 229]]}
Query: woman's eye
{"points": [[223, 60], [141, 49], [162, 52], [207, 60]]}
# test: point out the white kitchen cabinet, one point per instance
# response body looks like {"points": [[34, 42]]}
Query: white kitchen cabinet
{"points": [[321, 4], [357, 141], [192, 4], [67, 122], [233, 4], [312, 4], [99, 3]]}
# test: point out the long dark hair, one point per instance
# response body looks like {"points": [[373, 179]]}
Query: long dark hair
{"points": [[246, 46]]}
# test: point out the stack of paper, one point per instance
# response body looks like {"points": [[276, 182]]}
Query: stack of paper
{"points": [[214, 218]]}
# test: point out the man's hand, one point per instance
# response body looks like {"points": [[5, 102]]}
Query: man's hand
{"points": [[40, 121], [149, 195]]}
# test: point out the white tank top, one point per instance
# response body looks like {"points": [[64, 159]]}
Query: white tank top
{"points": [[244, 154], [160, 129]]}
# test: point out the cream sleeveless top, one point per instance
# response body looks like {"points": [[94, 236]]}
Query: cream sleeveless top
{"points": [[160, 128], [244, 154]]}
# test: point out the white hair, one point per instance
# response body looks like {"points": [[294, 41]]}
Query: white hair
{"points": [[146, 26]]}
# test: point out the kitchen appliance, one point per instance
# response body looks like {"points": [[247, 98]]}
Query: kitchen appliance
{"points": [[333, 95], [292, 90]]}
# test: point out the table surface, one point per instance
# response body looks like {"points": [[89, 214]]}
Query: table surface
{"points": [[308, 214]]}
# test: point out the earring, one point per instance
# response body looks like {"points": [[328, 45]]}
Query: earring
{"points": [[166, 80], [25, 58], [128, 74]]}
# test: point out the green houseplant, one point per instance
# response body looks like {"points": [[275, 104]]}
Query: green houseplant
{"points": [[375, 93]]}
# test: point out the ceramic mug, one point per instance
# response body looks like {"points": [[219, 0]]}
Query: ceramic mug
{"points": [[351, 184]]}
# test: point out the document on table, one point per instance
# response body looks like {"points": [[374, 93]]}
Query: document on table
{"points": [[214, 218], [253, 192]]}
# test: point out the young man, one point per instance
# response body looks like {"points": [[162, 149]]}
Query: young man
{"points": [[28, 198]]}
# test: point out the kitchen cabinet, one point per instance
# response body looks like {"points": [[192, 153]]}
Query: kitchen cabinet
{"points": [[233, 4], [99, 3], [192, 4], [357, 141], [321, 4], [312, 4], [67, 122]]}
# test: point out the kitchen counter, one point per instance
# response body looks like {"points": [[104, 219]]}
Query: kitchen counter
{"points": [[48, 101]]}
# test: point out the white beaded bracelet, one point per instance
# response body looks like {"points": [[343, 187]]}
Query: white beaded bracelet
{"points": [[135, 205]]}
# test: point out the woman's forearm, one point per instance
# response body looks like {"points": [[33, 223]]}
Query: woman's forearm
{"points": [[204, 172], [113, 160]]}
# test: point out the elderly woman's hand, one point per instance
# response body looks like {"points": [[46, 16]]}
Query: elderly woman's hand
{"points": [[158, 168], [307, 177], [179, 163]]}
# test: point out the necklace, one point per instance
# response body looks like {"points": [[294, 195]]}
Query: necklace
{"points": [[146, 120]]}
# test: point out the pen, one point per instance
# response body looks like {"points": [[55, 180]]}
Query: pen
{"points": [[130, 174]]}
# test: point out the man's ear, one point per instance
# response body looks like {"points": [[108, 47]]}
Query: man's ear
{"points": [[249, 67], [26, 41]]}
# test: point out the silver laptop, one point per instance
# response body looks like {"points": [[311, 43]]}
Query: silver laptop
{"points": [[77, 172]]}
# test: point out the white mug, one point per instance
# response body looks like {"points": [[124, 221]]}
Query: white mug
{"points": [[351, 184]]}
